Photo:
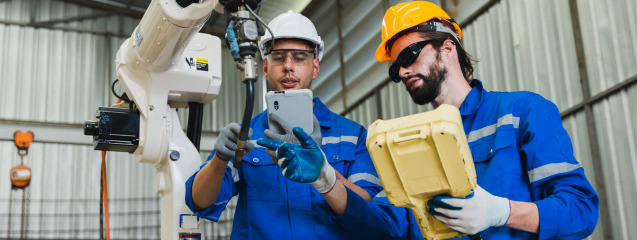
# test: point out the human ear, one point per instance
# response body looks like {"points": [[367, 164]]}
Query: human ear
{"points": [[448, 50], [265, 67], [315, 68]]}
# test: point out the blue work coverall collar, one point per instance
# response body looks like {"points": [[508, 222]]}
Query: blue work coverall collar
{"points": [[473, 99], [322, 113]]}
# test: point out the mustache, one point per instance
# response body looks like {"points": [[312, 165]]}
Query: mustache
{"points": [[417, 75], [289, 75]]}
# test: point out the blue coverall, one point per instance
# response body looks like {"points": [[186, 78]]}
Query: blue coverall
{"points": [[272, 207], [521, 152]]}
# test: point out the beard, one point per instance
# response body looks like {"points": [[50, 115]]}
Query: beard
{"points": [[430, 88]]}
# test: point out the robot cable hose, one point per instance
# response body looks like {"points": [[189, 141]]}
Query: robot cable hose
{"points": [[245, 124], [241, 36]]}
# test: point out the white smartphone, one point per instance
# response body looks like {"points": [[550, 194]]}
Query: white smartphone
{"points": [[295, 106]]}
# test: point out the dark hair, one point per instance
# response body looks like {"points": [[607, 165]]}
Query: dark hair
{"points": [[465, 60]]}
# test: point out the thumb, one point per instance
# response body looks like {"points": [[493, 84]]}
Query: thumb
{"points": [[306, 140], [278, 122], [269, 134]]}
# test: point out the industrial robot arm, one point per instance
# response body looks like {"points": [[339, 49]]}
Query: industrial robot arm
{"points": [[167, 64]]}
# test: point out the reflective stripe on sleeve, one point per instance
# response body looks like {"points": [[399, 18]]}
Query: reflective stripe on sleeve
{"points": [[351, 139], [234, 172], [508, 119], [364, 176], [326, 140], [552, 169]]}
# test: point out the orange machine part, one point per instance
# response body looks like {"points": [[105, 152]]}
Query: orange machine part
{"points": [[23, 140], [20, 176]]}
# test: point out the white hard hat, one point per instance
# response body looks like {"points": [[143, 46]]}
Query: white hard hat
{"points": [[292, 25]]}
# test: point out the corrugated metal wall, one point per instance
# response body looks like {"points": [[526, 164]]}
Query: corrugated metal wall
{"points": [[61, 74], [358, 36], [609, 36], [520, 47], [617, 136], [530, 45]]}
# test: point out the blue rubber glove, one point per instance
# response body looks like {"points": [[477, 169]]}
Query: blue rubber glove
{"points": [[471, 214], [305, 163], [281, 130]]}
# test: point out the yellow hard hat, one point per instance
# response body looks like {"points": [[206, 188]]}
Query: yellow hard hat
{"points": [[407, 15]]}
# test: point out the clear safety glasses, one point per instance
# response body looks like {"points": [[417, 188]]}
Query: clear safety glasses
{"points": [[297, 56], [406, 58]]}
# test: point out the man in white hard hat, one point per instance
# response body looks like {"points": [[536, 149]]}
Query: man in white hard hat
{"points": [[291, 200]]}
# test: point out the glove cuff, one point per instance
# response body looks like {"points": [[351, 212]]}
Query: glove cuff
{"points": [[504, 211], [327, 178], [223, 157]]}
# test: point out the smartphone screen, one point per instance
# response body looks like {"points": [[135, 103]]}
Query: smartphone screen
{"points": [[295, 106]]}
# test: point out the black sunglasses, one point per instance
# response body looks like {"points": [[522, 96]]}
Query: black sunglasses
{"points": [[406, 58]]}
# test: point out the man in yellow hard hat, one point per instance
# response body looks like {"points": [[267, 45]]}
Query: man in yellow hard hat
{"points": [[530, 185]]}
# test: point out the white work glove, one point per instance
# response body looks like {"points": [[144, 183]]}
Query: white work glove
{"points": [[281, 130], [305, 163], [472, 214]]}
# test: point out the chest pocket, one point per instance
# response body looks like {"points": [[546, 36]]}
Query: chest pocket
{"points": [[496, 157], [485, 148], [339, 156], [261, 176]]}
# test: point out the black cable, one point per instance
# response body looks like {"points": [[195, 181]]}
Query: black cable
{"points": [[113, 89], [245, 124], [195, 120], [476, 236], [124, 97]]}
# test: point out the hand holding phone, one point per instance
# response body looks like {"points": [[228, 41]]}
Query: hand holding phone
{"points": [[293, 106], [285, 113]]}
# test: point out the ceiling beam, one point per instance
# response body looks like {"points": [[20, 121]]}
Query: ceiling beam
{"points": [[107, 7], [37, 25], [73, 19], [209, 27]]}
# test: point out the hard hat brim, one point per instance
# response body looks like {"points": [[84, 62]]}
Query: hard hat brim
{"points": [[380, 53]]}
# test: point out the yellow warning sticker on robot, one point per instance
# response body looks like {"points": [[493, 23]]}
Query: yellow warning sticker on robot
{"points": [[200, 64]]}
